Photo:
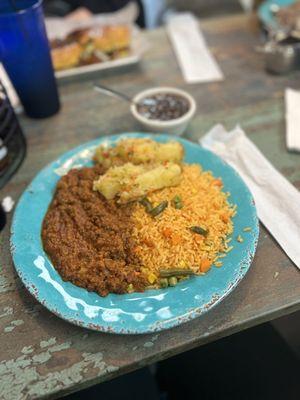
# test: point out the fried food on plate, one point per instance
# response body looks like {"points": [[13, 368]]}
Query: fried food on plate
{"points": [[139, 151], [131, 182], [90, 46], [66, 56], [111, 38]]}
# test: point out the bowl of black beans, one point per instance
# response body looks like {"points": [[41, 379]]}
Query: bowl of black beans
{"points": [[163, 109]]}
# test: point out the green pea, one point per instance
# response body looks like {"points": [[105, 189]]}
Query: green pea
{"points": [[164, 282], [173, 281], [177, 202]]}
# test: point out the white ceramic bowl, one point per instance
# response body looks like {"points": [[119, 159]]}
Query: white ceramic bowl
{"points": [[175, 126]]}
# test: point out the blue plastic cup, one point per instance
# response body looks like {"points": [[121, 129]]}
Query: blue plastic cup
{"points": [[25, 54]]}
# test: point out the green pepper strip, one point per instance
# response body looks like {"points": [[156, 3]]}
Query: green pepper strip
{"points": [[168, 273], [158, 209], [147, 204], [199, 230]]}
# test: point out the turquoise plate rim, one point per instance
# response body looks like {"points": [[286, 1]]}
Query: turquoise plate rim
{"points": [[136, 313]]}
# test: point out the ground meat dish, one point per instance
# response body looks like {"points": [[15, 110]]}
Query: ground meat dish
{"points": [[88, 239]]}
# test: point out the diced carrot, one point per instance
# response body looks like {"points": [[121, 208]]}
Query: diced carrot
{"points": [[205, 265], [218, 182], [224, 218], [198, 239], [148, 242], [167, 232]]}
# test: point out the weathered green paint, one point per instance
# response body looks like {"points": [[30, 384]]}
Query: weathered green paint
{"points": [[46, 357], [28, 375]]}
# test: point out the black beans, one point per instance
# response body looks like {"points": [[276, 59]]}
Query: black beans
{"points": [[163, 107]]}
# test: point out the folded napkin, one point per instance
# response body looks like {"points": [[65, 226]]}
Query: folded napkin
{"points": [[292, 116], [277, 200], [9, 87], [194, 58]]}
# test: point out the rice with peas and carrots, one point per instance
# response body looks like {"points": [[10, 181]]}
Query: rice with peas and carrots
{"points": [[140, 218], [167, 241]]}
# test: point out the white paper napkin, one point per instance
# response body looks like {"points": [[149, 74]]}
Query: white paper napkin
{"points": [[9, 87], [292, 116], [277, 200], [194, 57]]}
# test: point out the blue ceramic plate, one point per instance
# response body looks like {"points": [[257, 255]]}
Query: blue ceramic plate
{"points": [[266, 14], [133, 313]]}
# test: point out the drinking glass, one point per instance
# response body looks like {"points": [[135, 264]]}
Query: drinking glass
{"points": [[25, 54]]}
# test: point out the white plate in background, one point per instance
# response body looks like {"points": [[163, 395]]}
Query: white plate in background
{"points": [[58, 28], [137, 48]]}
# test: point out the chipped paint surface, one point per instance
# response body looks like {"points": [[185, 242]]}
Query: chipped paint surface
{"points": [[150, 342], [24, 377], [27, 350], [6, 311], [9, 329], [46, 343], [7, 282], [13, 325]]}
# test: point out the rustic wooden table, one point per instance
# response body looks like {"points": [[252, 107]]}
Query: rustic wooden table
{"points": [[44, 356]]}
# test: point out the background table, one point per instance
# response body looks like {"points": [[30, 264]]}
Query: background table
{"points": [[44, 356]]}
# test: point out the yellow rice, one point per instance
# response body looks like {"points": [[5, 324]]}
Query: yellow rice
{"points": [[204, 204]]}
